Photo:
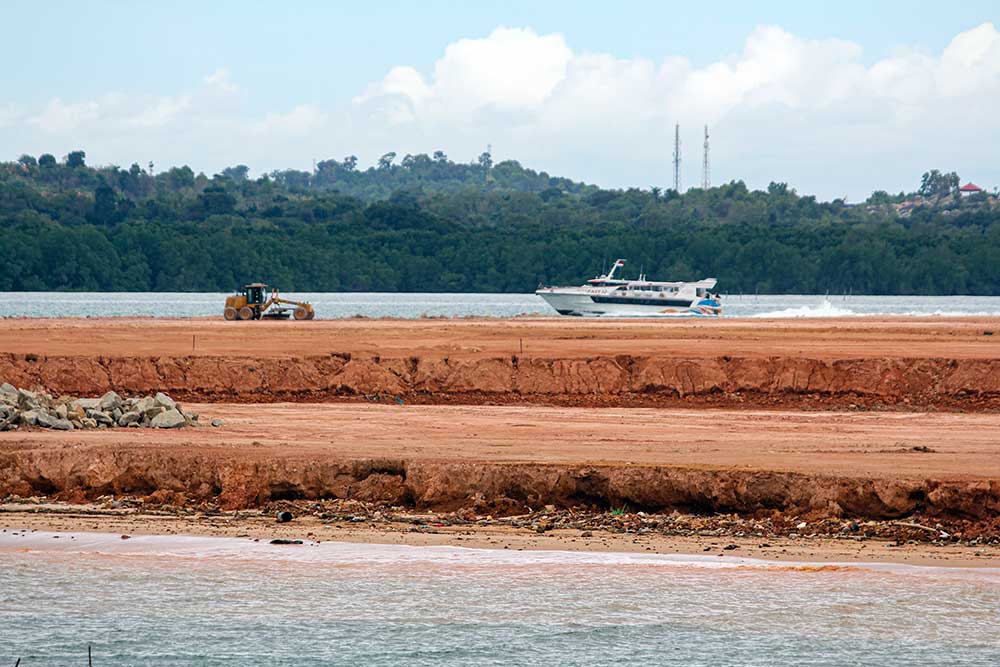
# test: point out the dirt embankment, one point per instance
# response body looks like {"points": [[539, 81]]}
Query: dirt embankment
{"points": [[241, 480], [603, 380]]}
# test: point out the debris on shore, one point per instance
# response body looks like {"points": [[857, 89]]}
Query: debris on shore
{"points": [[767, 524], [21, 407], [577, 522]]}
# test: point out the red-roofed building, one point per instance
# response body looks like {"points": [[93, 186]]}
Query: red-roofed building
{"points": [[970, 189]]}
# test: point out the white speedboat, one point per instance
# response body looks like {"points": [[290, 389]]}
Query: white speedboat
{"points": [[609, 296]]}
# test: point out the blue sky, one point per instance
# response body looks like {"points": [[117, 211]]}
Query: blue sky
{"points": [[219, 83]]}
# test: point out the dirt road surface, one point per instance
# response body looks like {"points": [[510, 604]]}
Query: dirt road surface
{"points": [[841, 464], [872, 445], [825, 339]]}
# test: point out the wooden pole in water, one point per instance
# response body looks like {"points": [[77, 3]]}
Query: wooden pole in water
{"points": [[90, 658]]}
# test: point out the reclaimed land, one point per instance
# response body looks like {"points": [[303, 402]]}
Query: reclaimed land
{"points": [[782, 421], [880, 363]]}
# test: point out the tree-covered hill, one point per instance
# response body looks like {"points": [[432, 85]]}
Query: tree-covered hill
{"points": [[429, 224]]}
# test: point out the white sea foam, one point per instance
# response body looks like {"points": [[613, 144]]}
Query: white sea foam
{"points": [[824, 309], [348, 554]]}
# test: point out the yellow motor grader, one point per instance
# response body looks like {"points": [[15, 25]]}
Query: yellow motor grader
{"points": [[258, 301]]}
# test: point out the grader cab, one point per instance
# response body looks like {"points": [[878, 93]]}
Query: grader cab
{"points": [[258, 301]]}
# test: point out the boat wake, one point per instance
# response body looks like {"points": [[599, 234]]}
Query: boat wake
{"points": [[824, 309]]}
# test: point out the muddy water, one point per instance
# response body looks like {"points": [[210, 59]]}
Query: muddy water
{"points": [[377, 304], [223, 601]]}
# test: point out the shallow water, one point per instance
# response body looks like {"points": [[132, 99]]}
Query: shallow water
{"points": [[372, 304], [222, 601]]}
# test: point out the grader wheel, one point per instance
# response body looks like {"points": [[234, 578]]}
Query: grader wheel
{"points": [[230, 313], [312, 314], [246, 313], [300, 314]]}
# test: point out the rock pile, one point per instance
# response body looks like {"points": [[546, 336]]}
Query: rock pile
{"points": [[20, 406]]}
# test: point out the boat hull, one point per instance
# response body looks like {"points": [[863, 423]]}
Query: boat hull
{"points": [[587, 305]]}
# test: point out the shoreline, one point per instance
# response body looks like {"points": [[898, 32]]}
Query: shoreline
{"points": [[65, 518]]}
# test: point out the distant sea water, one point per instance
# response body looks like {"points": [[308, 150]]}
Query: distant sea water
{"points": [[412, 305], [227, 602]]}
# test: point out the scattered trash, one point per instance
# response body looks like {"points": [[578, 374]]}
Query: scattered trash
{"points": [[284, 541], [283, 516]]}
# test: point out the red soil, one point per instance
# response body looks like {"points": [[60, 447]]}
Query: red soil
{"points": [[503, 458], [901, 363], [841, 464]]}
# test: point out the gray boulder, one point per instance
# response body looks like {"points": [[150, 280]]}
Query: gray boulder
{"points": [[110, 402], [100, 417], [29, 417], [168, 419], [27, 400], [151, 413], [143, 404], [217, 423], [47, 420], [62, 412], [86, 404], [165, 401], [129, 418], [8, 393], [74, 411]]}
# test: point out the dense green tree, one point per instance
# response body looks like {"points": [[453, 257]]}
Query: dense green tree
{"points": [[936, 183], [215, 200], [239, 173], [385, 162], [75, 159], [430, 224]]}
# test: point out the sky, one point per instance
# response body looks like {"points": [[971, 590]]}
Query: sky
{"points": [[837, 99]]}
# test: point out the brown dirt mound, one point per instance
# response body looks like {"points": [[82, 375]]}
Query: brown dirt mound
{"points": [[597, 381], [236, 481]]}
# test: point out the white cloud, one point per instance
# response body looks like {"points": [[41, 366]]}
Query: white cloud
{"points": [[812, 112], [219, 80], [299, 121], [801, 107], [162, 111], [61, 117]]}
